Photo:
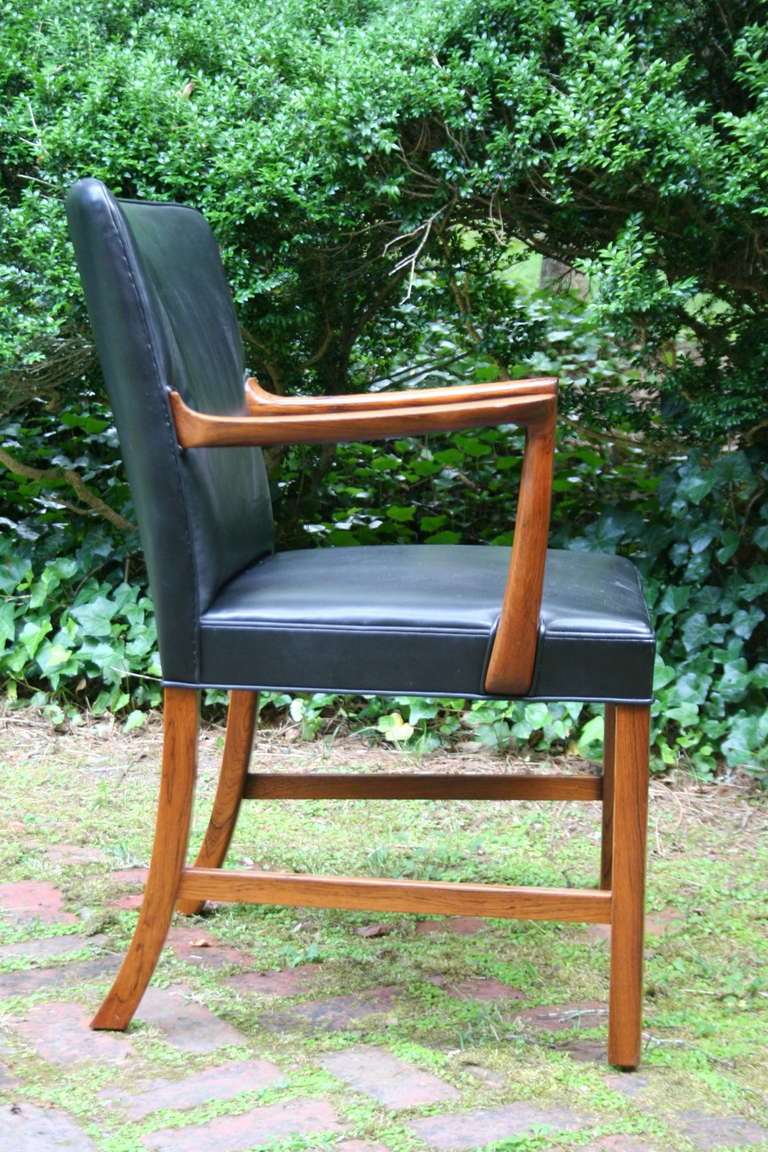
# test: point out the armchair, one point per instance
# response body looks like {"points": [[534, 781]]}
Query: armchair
{"points": [[469, 621]]}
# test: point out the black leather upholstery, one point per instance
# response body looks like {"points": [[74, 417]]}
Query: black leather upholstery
{"points": [[421, 619], [163, 318], [416, 619]]}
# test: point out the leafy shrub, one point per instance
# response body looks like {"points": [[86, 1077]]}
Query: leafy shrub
{"points": [[71, 637], [373, 171], [339, 149]]}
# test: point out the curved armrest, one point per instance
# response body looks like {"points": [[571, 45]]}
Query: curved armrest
{"points": [[198, 430], [511, 664], [262, 403]]}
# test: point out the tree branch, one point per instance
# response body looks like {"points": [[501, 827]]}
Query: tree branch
{"points": [[54, 476]]}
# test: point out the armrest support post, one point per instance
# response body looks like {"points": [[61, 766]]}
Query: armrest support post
{"points": [[510, 669]]}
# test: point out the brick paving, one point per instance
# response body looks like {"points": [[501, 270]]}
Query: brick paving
{"points": [[358, 1146], [74, 854], [465, 1130], [30, 980], [126, 903], [336, 1014], [286, 982], [7, 1079], [50, 947], [665, 922], [564, 1017], [223, 1082], [465, 1109], [478, 988], [27, 1128], [248, 1129], [202, 949], [27, 901], [59, 1033], [392, 1082], [133, 879], [632, 1084], [130, 877], [458, 925], [586, 1051], [619, 1144], [184, 1023], [706, 1131]]}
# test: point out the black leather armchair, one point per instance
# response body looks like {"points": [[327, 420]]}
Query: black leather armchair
{"points": [[438, 620]]}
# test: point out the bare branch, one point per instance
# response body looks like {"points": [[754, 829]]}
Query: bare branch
{"points": [[75, 481], [409, 261]]}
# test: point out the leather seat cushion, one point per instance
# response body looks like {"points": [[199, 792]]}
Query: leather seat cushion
{"points": [[410, 619]]}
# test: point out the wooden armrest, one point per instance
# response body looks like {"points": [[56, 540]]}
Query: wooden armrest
{"points": [[262, 403], [198, 430]]}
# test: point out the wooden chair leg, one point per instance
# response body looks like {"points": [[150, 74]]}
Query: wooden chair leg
{"points": [[609, 757], [174, 812], [238, 742], [630, 818]]}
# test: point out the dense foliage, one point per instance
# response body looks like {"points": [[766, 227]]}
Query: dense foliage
{"points": [[374, 170]]}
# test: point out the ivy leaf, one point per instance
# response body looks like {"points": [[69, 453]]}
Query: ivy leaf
{"points": [[95, 616], [592, 733], [401, 513], [7, 623], [52, 656], [394, 728]]}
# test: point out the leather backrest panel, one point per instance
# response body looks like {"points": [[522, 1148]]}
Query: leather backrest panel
{"points": [[163, 319]]}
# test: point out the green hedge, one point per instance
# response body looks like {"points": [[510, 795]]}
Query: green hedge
{"points": [[375, 172]]}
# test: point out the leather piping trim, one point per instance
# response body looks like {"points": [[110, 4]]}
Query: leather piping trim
{"points": [[397, 630], [265, 687], [598, 637], [350, 629]]}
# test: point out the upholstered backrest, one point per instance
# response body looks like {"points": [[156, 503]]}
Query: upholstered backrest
{"points": [[163, 319]]}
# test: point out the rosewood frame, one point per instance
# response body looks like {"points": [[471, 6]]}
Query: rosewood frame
{"points": [[622, 791]]}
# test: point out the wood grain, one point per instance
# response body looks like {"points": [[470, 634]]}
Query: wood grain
{"points": [[238, 742], [424, 786], [384, 895], [630, 818], [262, 403], [510, 669], [198, 430], [174, 811]]}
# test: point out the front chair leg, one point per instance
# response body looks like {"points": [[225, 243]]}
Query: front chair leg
{"points": [[630, 818], [174, 813], [238, 742]]}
